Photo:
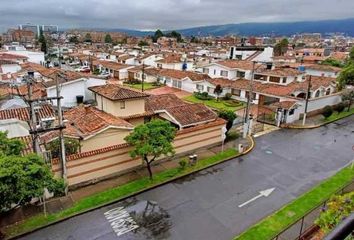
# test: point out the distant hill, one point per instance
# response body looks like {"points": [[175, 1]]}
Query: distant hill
{"points": [[345, 26]]}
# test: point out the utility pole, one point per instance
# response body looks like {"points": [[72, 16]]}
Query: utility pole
{"points": [[61, 135], [142, 78], [307, 101], [33, 117], [249, 101]]}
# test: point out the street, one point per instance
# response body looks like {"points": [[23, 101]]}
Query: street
{"points": [[222, 201]]}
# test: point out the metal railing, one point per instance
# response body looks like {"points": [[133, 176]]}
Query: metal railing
{"points": [[304, 227]]}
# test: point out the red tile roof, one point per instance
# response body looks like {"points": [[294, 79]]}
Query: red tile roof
{"points": [[117, 92], [22, 114], [160, 102], [177, 74]]}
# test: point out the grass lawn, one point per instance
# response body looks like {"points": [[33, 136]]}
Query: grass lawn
{"points": [[115, 194], [290, 213], [218, 105], [336, 116], [147, 86]]}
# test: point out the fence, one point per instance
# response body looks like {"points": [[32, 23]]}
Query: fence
{"points": [[103, 163], [304, 227]]}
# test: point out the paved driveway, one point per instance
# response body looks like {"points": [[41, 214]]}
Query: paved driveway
{"points": [[205, 205]]}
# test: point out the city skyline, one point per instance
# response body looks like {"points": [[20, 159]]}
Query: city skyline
{"points": [[150, 15]]}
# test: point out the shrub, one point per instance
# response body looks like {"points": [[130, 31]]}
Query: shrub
{"points": [[232, 136], [71, 147], [335, 211], [327, 111], [339, 107], [227, 96], [229, 116], [203, 96], [183, 164]]}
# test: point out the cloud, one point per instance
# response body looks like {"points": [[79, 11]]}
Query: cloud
{"points": [[166, 14]]}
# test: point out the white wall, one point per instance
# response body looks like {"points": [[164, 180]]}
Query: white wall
{"points": [[69, 92], [34, 57], [320, 73], [10, 68]]}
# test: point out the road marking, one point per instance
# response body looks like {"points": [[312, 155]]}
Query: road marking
{"points": [[120, 221], [264, 193]]}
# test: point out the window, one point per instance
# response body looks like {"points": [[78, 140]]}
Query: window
{"points": [[291, 112], [236, 92], [214, 71], [174, 83], [224, 73], [200, 87], [317, 94], [122, 105], [179, 84], [284, 80], [210, 90], [259, 77], [328, 91], [240, 74], [206, 70], [274, 79]]}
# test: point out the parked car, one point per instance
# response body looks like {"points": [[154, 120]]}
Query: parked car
{"points": [[84, 69]]}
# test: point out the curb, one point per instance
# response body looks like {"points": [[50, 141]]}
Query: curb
{"points": [[135, 193], [314, 126]]}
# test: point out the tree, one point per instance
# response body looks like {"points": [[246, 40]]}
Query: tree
{"points": [[339, 107], [108, 38], [229, 116], [327, 111], [10, 146], [151, 140], [88, 38], [157, 35], [332, 62], [351, 55], [281, 47], [346, 77], [142, 43], [348, 96], [74, 39], [22, 177], [176, 35], [218, 91], [71, 147], [42, 40]]}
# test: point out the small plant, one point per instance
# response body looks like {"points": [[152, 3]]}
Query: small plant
{"points": [[335, 211], [339, 107], [227, 96], [327, 111], [183, 164], [203, 96]]}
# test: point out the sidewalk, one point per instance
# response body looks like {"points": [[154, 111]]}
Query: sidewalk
{"points": [[59, 204]]}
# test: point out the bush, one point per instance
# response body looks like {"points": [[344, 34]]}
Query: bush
{"points": [[71, 147], [327, 111], [229, 116], [183, 164], [232, 136], [203, 96], [227, 96], [339, 107], [335, 211]]}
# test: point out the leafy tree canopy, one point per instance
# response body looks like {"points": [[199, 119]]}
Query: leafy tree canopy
{"points": [[152, 140], [108, 38], [229, 116], [10, 146]]}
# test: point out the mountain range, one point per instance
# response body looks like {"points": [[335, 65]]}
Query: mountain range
{"points": [[345, 26]]}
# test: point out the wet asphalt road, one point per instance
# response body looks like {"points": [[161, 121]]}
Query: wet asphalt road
{"points": [[205, 205]]}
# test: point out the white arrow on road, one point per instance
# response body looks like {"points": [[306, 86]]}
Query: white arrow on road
{"points": [[264, 193]]}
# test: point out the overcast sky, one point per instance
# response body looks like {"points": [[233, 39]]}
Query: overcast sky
{"points": [[166, 14]]}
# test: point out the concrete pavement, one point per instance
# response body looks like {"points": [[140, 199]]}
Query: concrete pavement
{"points": [[205, 205]]}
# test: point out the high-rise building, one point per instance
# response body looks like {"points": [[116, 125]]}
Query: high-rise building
{"points": [[30, 27], [50, 28]]}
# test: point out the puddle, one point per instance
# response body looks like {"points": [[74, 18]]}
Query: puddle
{"points": [[268, 152]]}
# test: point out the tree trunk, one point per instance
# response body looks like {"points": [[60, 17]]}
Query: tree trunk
{"points": [[149, 170]]}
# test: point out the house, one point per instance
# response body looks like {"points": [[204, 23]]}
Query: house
{"points": [[322, 70], [183, 115], [251, 53], [118, 100], [116, 70], [175, 62], [93, 128], [230, 69], [150, 74], [184, 80]]}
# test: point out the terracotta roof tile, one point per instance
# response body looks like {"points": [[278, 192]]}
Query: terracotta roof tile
{"points": [[117, 92]]}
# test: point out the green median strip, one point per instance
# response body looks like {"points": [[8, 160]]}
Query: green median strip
{"points": [[116, 193], [272, 225], [336, 116]]}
